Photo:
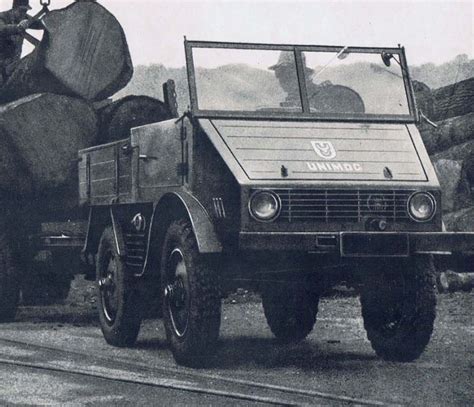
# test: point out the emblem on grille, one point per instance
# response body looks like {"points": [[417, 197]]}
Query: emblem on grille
{"points": [[377, 203], [324, 149]]}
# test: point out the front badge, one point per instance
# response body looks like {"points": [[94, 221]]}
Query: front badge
{"points": [[324, 149]]}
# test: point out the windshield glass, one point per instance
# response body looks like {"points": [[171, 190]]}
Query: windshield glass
{"points": [[337, 82], [346, 82], [245, 80]]}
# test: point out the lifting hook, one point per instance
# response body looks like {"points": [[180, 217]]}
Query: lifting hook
{"points": [[45, 3]]}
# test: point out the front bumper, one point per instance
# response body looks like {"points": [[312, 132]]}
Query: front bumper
{"points": [[360, 244]]}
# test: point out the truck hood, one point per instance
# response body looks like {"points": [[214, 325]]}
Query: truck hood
{"points": [[275, 150]]}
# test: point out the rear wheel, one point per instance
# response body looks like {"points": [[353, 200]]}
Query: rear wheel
{"points": [[191, 300], [119, 306], [399, 308], [290, 310], [9, 280]]}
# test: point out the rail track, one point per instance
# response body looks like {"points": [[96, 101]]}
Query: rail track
{"points": [[47, 358]]}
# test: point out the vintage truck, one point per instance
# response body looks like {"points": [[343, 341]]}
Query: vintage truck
{"points": [[295, 167]]}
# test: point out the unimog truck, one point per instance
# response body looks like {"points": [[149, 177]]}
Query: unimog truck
{"points": [[295, 168]]}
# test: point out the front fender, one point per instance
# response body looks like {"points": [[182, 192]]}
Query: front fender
{"points": [[178, 205], [206, 236]]}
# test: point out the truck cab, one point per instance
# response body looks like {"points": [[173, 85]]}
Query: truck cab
{"points": [[295, 168]]}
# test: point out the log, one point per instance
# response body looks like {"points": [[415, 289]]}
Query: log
{"points": [[15, 181], [450, 132], [455, 187], [454, 100], [462, 152], [117, 118], [424, 98], [460, 221], [83, 53], [450, 281], [40, 136]]}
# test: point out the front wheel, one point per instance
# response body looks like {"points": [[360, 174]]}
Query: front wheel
{"points": [[119, 306], [399, 308], [290, 309], [191, 300]]}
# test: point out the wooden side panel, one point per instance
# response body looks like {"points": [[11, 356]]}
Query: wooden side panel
{"points": [[84, 184], [125, 178], [102, 172], [105, 173]]}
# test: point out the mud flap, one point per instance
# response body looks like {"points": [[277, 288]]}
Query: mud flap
{"points": [[118, 235]]}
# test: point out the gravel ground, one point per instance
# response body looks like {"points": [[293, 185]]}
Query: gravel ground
{"points": [[335, 357]]}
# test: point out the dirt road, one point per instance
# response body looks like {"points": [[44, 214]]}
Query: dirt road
{"points": [[56, 355]]}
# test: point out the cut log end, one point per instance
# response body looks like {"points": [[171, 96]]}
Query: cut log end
{"points": [[450, 281], [454, 100], [117, 118], [84, 53], [41, 137]]}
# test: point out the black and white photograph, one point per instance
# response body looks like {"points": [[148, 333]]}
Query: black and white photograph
{"points": [[236, 203]]}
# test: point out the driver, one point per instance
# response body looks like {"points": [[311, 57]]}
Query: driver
{"points": [[323, 98], [285, 71]]}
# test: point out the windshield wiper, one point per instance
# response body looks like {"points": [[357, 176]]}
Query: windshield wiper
{"points": [[340, 55]]}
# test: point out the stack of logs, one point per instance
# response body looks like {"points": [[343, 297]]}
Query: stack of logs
{"points": [[451, 147], [55, 103]]}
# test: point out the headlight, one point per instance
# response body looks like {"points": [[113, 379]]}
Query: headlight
{"points": [[264, 206], [421, 206]]}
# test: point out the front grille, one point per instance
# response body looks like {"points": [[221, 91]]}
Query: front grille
{"points": [[135, 244], [340, 205]]}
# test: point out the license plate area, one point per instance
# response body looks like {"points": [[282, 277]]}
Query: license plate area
{"points": [[374, 245]]}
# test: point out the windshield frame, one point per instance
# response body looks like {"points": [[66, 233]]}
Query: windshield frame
{"points": [[305, 114]]}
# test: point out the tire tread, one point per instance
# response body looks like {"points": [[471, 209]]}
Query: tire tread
{"points": [[419, 313], [290, 311], [126, 327], [205, 313]]}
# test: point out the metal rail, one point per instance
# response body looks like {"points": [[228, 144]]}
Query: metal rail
{"points": [[150, 382], [288, 396]]}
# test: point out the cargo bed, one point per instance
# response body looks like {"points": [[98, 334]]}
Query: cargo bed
{"points": [[105, 172]]}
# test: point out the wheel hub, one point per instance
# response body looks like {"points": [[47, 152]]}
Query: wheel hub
{"points": [[176, 292], [106, 283], [108, 290]]}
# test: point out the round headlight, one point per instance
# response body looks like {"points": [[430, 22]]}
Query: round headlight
{"points": [[264, 205], [421, 206]]}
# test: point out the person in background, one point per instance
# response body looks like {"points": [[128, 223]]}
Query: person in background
{"points": [[13, 24]]}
